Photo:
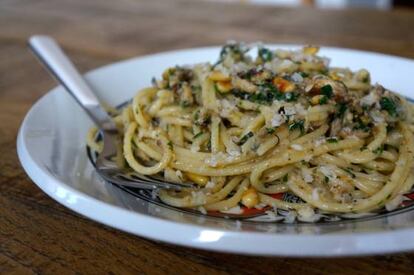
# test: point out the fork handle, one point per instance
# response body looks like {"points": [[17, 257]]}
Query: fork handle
{"points": [[58, 64]]}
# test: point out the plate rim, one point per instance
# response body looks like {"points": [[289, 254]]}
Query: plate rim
{"points": [[223, 240]]}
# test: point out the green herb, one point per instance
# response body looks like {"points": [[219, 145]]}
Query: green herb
{"points": [[248, 74], [171, 71], [324, 71], [236, 50], [326, 179], [323, 100], [340, 110], [265, 54], [270, 130], [327, 91], [202, 121], [195, 88], [390, 128], [297, 125], [232, 48], [197, 115], [245, 138], [170, 144], [209, 144], [240, 94], [216, 88], [185, 104], [285, 178], [262, 98], [332, 140], [363, 148], [365, 108], [266, 95], [271, 91], [362, 126], [349, 171], [379, 150], [197, 135], [303, 74], [388, 105]]}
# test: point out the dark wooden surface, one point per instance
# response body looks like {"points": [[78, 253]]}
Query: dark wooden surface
{"points": [[38, 235]]}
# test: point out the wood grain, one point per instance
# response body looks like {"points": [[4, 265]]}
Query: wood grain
{"points": [[38, 235]]}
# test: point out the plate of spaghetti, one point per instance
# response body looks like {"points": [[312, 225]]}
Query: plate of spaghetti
{"points": [[287, 145]]}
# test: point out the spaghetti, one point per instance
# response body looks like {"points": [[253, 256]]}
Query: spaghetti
{"points": [[247, 129]]}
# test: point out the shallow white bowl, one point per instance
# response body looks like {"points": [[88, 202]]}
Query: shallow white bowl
{"points": [[51, 148]]}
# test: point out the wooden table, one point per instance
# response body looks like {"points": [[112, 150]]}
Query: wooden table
{"points": [[37, 235]]}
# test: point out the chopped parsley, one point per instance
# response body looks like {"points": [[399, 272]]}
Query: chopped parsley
{"points": [[340, 110], [185, 104], [199, 120], [197, 135], [271, 91], [285, 178], [236, 50], [327, 91], [379, 150], [197, 115], [332, 140], [326, 179], [323, 100], [216, 88], [171, 71], [324, 71], [297, 125], [362, 126], [195, 88], [245, 138], [389, 105], [266, 95], [170, 144], [303, 74], [263, 98], [209, 144], [248, 74], [270, 130], [265, 54], [349, 171]]}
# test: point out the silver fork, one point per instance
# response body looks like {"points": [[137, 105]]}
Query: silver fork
{"points": [[58, 64]]}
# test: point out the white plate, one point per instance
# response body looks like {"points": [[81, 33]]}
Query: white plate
{"points": [[51, 148]]}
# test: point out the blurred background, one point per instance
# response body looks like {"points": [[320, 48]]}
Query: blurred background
{"points": [[329, 4]]}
